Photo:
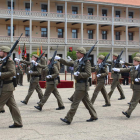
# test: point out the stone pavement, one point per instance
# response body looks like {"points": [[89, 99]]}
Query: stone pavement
{"points": [[46, 125]]}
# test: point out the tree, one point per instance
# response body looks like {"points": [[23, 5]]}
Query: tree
{"points": [[134, 54], [33, 53], [72, 55]]}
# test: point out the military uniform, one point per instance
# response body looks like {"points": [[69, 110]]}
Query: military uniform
{"points": [[81, 93], [7, 97], [100, 84], [51, 88], [135, 86], [43, 61], [34, 82], [116, 77], [28, 75], [20, 71]]}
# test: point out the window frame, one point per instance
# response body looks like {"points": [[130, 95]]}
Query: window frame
{"points": [[76, 33]]}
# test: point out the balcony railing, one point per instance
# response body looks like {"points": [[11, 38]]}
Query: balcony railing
{"points": [[120, 42], [74, 16], [5, 39], [89, 41], [105, 18], [74, 41], [23, 39], [39, 39], [135, 43], [105, 42], [57, 40]]}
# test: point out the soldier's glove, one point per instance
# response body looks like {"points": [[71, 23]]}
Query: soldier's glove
{"points": [[137, 79], [30, 71], [116, 70], [33, 61], [49, 76], [69, 58], [17, 73], [17, 60], [0, 73], [57, 57], [36, 63], [76, 73], [98, 75]]}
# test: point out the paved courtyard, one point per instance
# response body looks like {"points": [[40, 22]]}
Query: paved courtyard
{"points": [[46, 125]]}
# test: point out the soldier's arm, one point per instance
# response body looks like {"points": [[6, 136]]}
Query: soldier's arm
{"points": [[68, 63], [37, 72], [105, 73], [25, 62], [124, 70], [87, 72], [56, 72], [109, 62], [41, 66], [10, 66]]}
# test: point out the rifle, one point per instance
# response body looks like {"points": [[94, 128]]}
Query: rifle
{"points": [[118, 58], [103, 63], [6, 59], [52, 62], [84, 60]]}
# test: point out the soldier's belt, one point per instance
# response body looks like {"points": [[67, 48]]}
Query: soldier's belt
{"points": [[35, 76], [7, 82], [81, 81], [136, 83], [49, 80]]}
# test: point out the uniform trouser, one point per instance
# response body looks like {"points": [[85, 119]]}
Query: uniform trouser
{"points": [[134, 101], [8, 99], [100, 87], [115, 84], [20, 79], [17, 77], [71, 98], [28, 77], [126, 80], [43, 75], [51, 89], [79, 96], [34, 86]]}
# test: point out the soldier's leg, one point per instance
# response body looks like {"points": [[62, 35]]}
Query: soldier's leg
{"points": [[22, 79], [30, 91], [77, 98], [71, 98], [134, 101], [120, 90], [39, 91], [14, 110], [58, 97], [113, 86], [89, 106], [96, 91], [47, 93], [104, 93]]}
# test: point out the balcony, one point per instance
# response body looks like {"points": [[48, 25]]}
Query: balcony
{"points": [[105, 42], [120, 42], [73, 41], [89, 41], [133, 43], [57, 41]]}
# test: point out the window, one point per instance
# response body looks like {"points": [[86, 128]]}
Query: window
{"points": [[27, 6], [9, 5], [43, 32], [44, 8], [130, 14], [60, 33], [74, 10], [59, 9], [117, 35], [118, 13], [90, 11], [27, 31], [130, 34], [90, 34], [104, 12], [104, 34], [9, 30], [74, 33]]}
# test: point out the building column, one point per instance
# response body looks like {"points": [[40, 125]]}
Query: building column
{"points": [[126, 12], [30, 51], [126, 35], [65, 22], [126, 54], [30, 31], [112, 51], [48, 31], [112, 30], [97, 53], [11, 20], [139, 36], [65, 57], [97, 32], [82, 23], [97, 10], [49, 7]]}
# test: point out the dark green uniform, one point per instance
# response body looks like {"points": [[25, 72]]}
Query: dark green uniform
{"points": [[43, 61], [81, 87]]}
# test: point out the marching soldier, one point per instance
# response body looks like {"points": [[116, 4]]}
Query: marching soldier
{"points": [[20, 74], [7, 97], [100, 82], [43, 61], [81, 93], [34, 82], [135, 84], [116, 77], [28, 75], [52, 82]]}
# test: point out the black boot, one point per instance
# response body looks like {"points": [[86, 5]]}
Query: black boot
{"points": [[38, 107], [91, 120], [15, 126], [124, 113], [24, 102], [106, 105], [60, 108], [65, 121], [121, 98]]}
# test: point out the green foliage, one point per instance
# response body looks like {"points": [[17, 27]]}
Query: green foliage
{"points": [[72, 55], [32, 54], [134, 54], [103, 53]]}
